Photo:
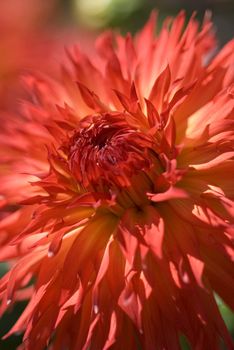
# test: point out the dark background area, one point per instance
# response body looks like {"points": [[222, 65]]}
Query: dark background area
{"points": [[131, 14]]}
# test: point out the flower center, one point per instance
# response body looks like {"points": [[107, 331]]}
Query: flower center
{"points": [[106, 151]]}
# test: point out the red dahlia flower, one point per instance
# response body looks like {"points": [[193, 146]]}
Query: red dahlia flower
{"points": [[119, 182]]}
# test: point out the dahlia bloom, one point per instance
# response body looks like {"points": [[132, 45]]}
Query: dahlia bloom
{"points": [[117, 194]]}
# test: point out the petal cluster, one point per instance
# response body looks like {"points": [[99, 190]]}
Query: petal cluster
{"points": [[116, 187]]}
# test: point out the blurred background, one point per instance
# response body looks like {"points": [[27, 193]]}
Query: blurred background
{"points": [[31, 30], [131, 14]]}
